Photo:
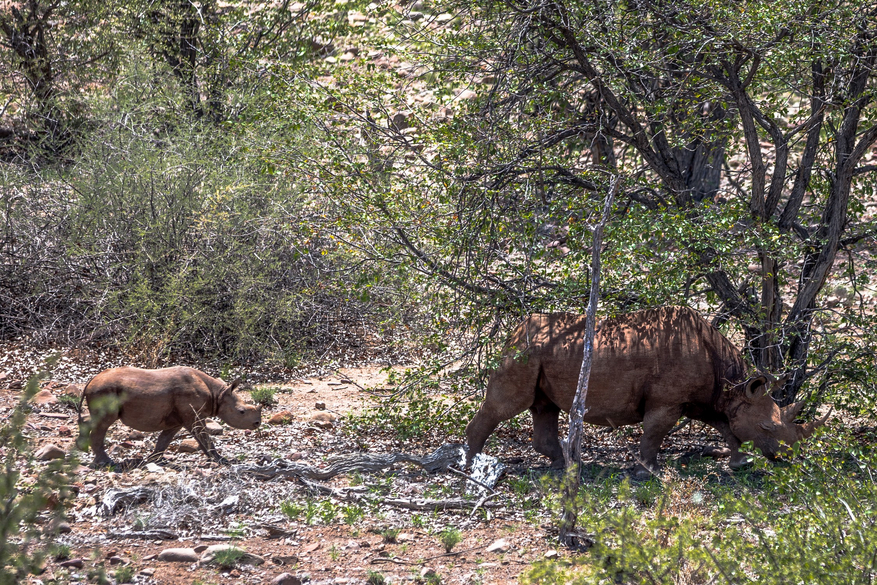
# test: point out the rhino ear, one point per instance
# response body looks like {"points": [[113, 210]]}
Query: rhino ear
{"points": [[234, 385], [755, 387]]}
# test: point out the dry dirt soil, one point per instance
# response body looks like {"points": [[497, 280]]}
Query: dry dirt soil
{"points": [[193, 503]]}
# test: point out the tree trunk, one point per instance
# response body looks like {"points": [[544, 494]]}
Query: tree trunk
{"points": [[572, 446]]}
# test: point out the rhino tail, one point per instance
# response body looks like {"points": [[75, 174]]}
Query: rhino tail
{"points": [[82, 439]]}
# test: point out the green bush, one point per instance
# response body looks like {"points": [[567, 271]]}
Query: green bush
{"points": [[264, 395], [810, 521], [416, 414], [32, 495], [450, 537]]}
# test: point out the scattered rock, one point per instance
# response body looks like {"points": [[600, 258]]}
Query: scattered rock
{"points": [[188, 446], [246, 559], [73, 563], [117, 560], [64, 431], [500, 546], [73, 390], [467, 94], [309, 548], [201, 548], [49, 452], [427, 573], [285, 579], [399, 120], [295, 456], [320, 406], [323, 419], [178, 555], [444, 113], [281, 418], [135, 436], [148, 572], [44, 397], [214, 428], [552, 554]]}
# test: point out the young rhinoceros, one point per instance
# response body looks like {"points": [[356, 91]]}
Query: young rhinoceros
{"points": [[165, 400]]}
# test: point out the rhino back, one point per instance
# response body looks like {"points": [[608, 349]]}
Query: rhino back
{"points": [[153, 400], [642, 360]]}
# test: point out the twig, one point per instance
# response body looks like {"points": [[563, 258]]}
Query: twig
{"points": [[422, 561], [472, 479]]}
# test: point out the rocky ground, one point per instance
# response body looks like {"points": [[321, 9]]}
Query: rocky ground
{"points": [[353, 528]]}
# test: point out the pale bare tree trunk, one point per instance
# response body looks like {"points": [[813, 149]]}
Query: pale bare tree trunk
{"points": [[572, 446]]}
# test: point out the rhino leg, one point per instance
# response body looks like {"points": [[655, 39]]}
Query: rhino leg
{"points": [[510, 391], [478, 430], [98, 437], [545, 414], [161, 444], [738, 458], [199, 431], [656, 424]]}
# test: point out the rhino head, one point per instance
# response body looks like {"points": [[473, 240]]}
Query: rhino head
{"points": [[234, 411], [754, 416]]}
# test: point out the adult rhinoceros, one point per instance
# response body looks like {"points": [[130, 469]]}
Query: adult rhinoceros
{"points": [[652, 366]]}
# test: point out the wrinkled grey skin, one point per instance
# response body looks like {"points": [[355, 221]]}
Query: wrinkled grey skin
{"points": [[651, 367], [165, 400]]}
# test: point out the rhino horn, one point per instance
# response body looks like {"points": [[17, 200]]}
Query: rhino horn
{"points": [[791, 412], [809, 428]]}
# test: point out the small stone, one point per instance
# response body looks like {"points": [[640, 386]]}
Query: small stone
{"points": [[444, 113], [399, 120], [309, 548], [73, 390], [44, 397], [49, 452], [64, 431], [73, 563], [188, 446], [64, 528], [247, 559], [214, 428], [116, 560], [178, 555], [444, 17], [281, 418], [148, 558], [467, 94], [320, 406], [552, 554], [500, 546], [427, 573], [295, 456], [135, 436], [285, 579], [148, 572], [201, 548], [323, 419]]}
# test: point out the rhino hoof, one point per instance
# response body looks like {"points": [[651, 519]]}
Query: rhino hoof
{"points": [[740, 462], [558, 464], [716, 452], [641, 473]]}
